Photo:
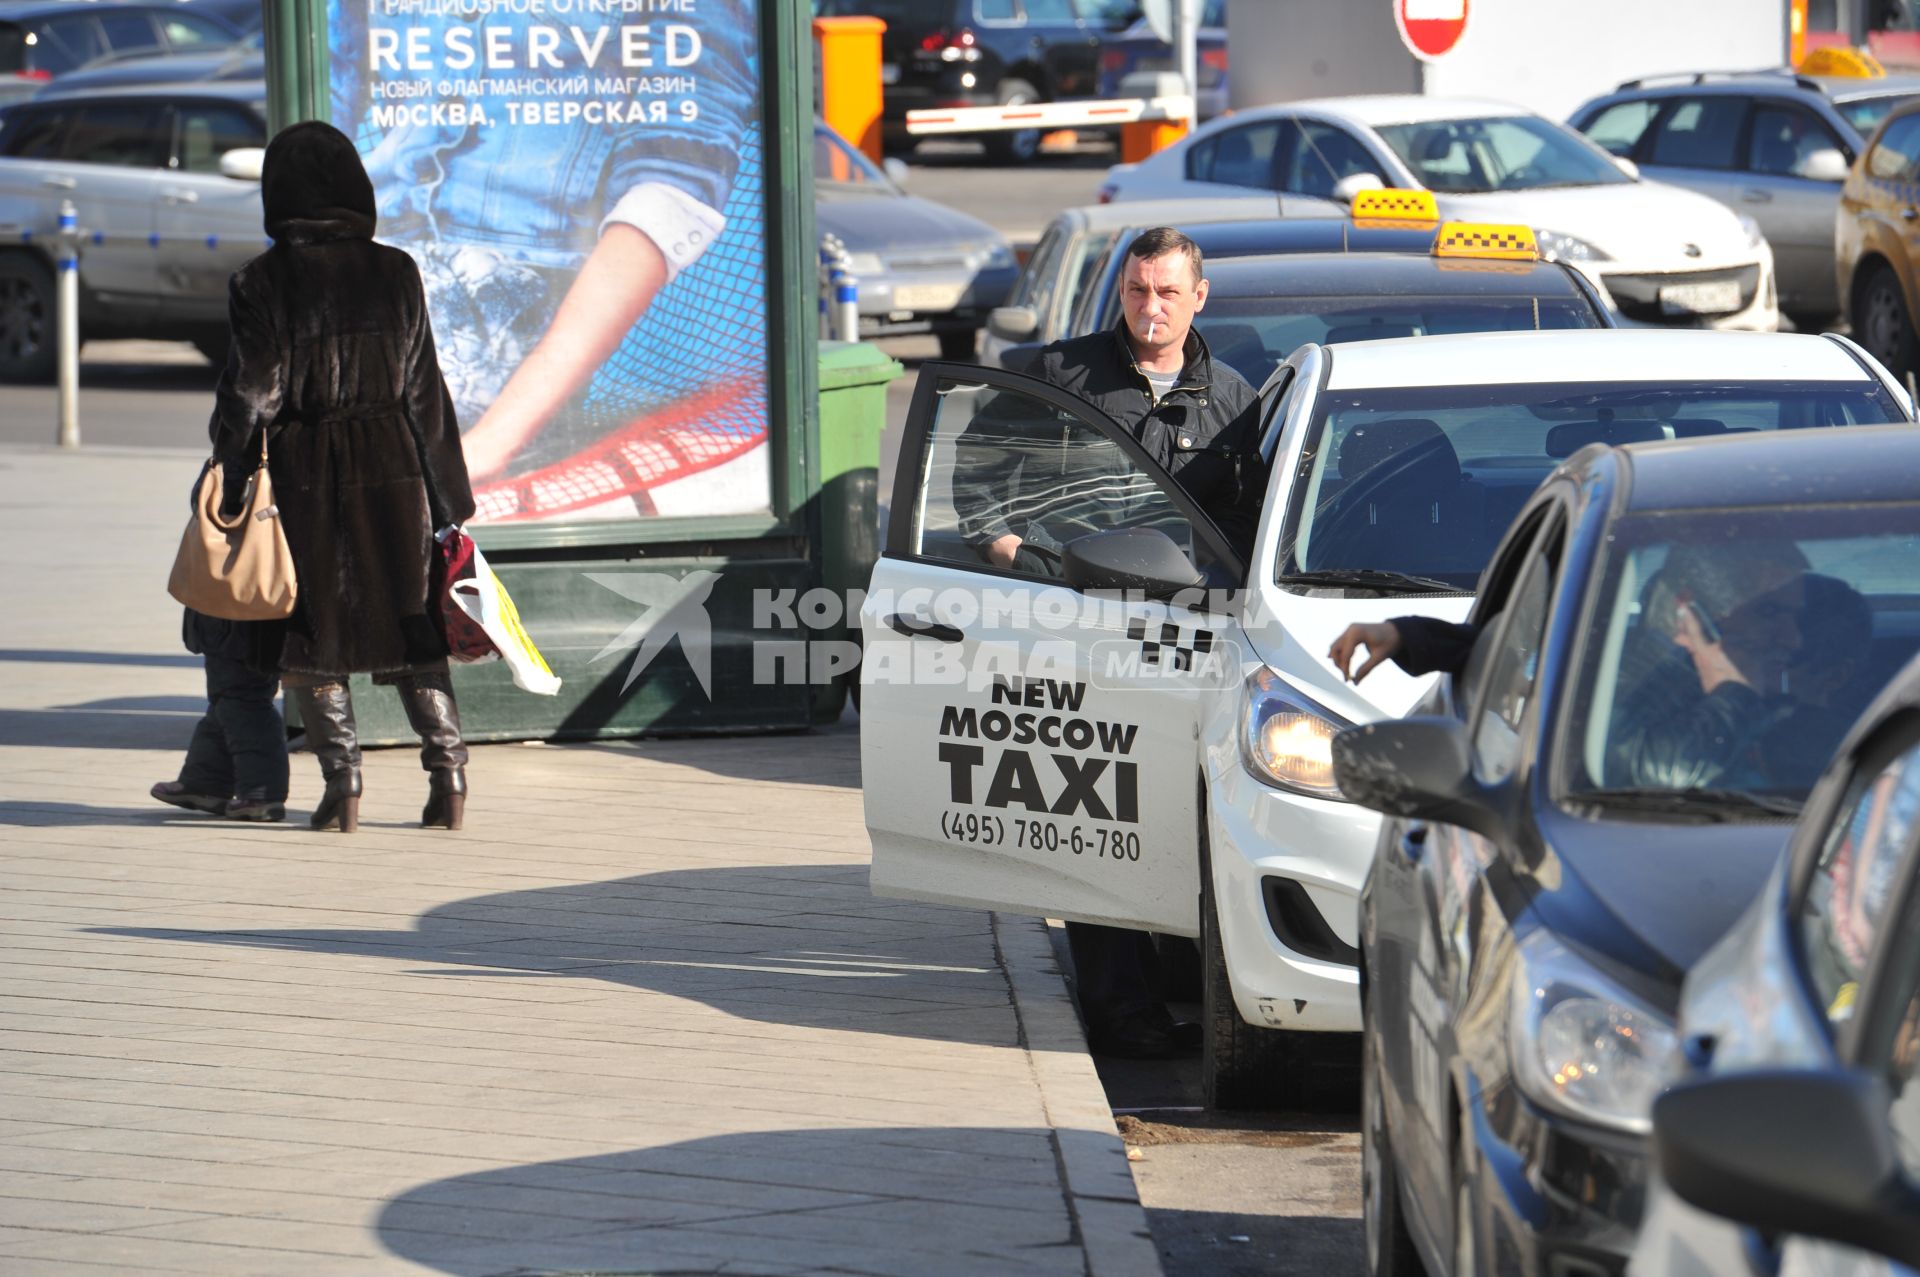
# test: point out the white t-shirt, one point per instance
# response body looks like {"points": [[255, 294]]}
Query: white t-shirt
{"points": [[1161, 382]]}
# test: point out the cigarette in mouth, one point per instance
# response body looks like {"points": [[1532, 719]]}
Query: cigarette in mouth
{"points": [[1151, 325]]}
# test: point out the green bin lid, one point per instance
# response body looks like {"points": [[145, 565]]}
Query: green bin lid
{"points": [[855, 363]]}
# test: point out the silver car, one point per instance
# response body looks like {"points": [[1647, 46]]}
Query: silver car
{"points": [[1772, 145]]}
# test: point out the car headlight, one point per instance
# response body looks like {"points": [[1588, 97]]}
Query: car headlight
{"points": [[865, 264], [1286, 739], [1556, 247], [1584, 1046], [1755, 236]]}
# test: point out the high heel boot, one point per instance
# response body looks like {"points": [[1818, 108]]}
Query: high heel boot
{"points": [[327, 711], [431, 710]]}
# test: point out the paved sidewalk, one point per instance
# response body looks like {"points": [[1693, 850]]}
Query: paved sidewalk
{"points": [[641, 1016]]}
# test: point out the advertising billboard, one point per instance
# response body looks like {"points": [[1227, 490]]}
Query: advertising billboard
{"points": [[582, 185]]}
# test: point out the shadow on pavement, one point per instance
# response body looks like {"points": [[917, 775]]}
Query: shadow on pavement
{"points": [[804, 945], [828, 755], [36, 656], [879, 1200], [84, 727], [30, 814]]}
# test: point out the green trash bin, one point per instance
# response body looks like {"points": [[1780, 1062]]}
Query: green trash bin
{"points": [[853, 412]]}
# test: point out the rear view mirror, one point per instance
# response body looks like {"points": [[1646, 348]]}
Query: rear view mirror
{"points": [[1351, 185], [243, 163], [1792, 1151], [1420, 768], [1013, 323], [1824, 165], [1142, 559]]}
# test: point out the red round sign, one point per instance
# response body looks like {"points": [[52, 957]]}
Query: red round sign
{"points": [[1430, 27]]}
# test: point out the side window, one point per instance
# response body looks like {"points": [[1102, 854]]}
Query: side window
{"points": [[1847, 899], [1699, 133], [126, 134], [995, 11], [1896, 153], [1052, 12], [1083, 267], [1784, 136], [1035, 286], [129, 32], [1322, 156], [1620, 127], [1240, 157], [67, 42], [33, 135], [186, 31], [1002, 462], [1512, 668], [208, 131]]}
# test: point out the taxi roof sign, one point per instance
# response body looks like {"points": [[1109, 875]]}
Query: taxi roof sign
{"points": [[1395, 204], [1841, 62], [1486, 240]]}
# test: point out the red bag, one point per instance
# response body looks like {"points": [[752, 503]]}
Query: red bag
{"points": [[453, 563]]}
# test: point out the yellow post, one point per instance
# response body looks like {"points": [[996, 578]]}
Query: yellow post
{"points": [[1144, 137], [1796, 32], [850, 79]]}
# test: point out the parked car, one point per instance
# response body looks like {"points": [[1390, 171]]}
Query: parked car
{"points": [[979, 53], [42, 39], [1877, 243], [921, 266], [1075, 248], [1162, 763], [244, 60], [1137, 47], [1663, 256], [1774, 145], [1792, 1141], [165, 182], [1673, 637]]}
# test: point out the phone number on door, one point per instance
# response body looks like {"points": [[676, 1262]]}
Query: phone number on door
{"points": [[1040, 835]]}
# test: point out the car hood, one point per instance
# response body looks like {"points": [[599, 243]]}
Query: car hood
{"points": [[1673, 890], [893, 223], [1637, 223], [1296, 646]]}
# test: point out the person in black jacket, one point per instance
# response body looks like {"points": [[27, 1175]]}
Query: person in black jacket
{"points": [[236, 764]]}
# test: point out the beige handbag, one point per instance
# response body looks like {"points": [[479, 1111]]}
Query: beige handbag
{"points": [[240, 570]]}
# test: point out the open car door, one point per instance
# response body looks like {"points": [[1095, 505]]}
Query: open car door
{"points": [[1030, 733]]}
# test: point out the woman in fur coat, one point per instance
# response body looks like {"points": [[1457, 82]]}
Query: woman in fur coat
{"points": [[333, 356]]}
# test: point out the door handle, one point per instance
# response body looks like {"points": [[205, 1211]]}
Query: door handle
{"points": [[921, 627], [60, 183], [1753, 196], [182, 197], [1413, 842]]}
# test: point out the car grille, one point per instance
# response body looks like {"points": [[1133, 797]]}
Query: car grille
{"points": [[1638, 296]]}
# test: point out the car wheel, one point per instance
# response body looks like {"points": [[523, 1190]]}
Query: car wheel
{"points": [[1241, 1067], [27, 324], [1390, 1249], [1014, 146], [1881, 323], [957, 343]]}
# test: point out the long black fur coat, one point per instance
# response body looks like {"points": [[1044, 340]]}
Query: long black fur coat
{"points": [[332, 355]]}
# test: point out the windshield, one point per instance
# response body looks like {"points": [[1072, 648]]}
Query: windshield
{"points": [[1732, 649], [1504, 153], [835, 163], [1424, 481], [1865, 114], [1254, 335]]}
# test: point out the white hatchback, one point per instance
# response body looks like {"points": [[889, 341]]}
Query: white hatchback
{"points": [[1135, 730], [1662, 255]]}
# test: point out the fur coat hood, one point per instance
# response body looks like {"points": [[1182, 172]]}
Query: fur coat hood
{"points": [[314, 186]]}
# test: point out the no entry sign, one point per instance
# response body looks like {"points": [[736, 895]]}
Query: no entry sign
{"points": [[1430, 27]]}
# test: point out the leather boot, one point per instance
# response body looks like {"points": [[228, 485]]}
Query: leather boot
{"points": [[327, 711], [431, 710]]}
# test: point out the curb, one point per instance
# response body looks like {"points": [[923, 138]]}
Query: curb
{"points": [[1097, 1179]]}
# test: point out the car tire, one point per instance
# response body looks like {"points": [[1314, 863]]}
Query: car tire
{"points": [[1390, 1248], [27, 320], [1014, 146], [1882, 324], [1241, 1067], [958, 344]]}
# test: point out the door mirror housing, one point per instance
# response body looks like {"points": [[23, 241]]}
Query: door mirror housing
{"points": [[1139, 559], [1418, 768], [1013, 323], [1825, 165], [243, 163], [1792, 1151], [896, 170], [1353, 183], [1627, 166]]}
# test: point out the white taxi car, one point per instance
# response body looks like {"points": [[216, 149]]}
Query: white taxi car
{"points": [[1662, 255], [1135, 730]]}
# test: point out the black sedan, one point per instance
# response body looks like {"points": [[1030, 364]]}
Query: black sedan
{"points": [[1669, 644]]}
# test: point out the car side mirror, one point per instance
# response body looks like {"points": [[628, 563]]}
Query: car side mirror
{"points": [[1792, 1151], [1353, 183], [243, 163], [1824, 165], [896, 170], [1626, 166], [1419, 768], [1013, 323], [1020, 356], [1142, 559]]}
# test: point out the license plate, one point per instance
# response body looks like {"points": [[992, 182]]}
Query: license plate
{"points": [[1716, 298], [928, 296], [889, 73]]}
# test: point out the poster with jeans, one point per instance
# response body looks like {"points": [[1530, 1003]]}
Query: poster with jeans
{"points": [[581, 182]]}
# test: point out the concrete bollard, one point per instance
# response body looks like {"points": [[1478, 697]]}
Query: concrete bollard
{"points": [[67, 325]]}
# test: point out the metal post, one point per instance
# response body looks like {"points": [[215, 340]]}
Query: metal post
{"points": [[829, 246], [846, 295], [67, 339], [1186, 21]]}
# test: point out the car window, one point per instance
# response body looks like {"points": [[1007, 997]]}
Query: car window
{"points": [[1619, 127], [1001, 461], [33, 135], [185, 31], [1082, 267], [1897, 153], [1865, 114], [1321, 156], [1036, 283], [1699, 133], [126, 134], [129, 32], [1498, 153], [67, 42], [1847, 899], [209, 130], [840, 164], [1054, 11], [1238, 157], [1784, 136], [992, 11], [1513, 668]]}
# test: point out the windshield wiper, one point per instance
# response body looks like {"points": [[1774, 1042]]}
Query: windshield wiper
{"points": [[1372, 579], [1714, 804]]}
